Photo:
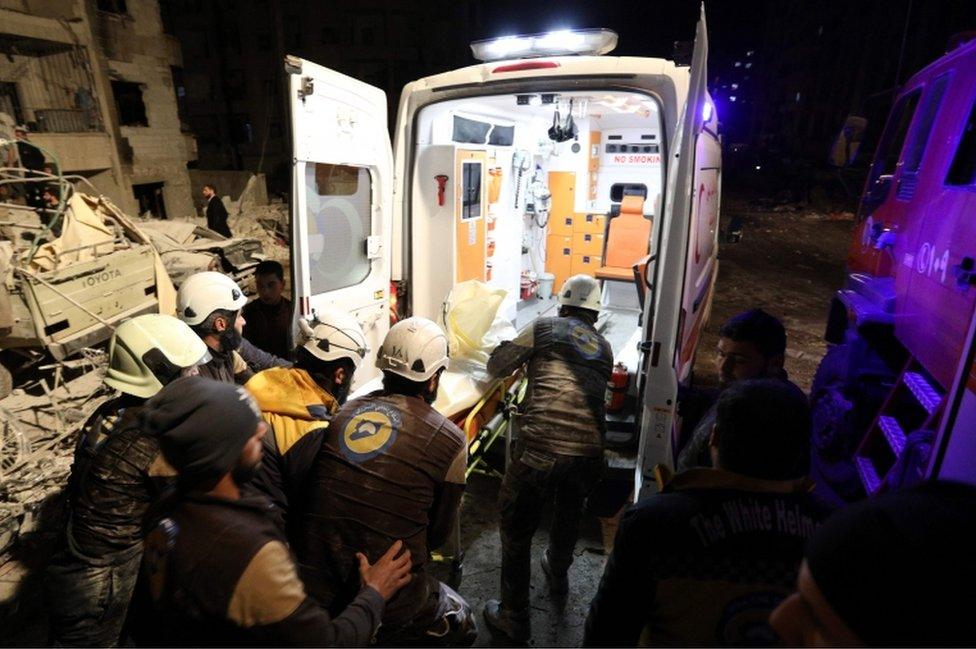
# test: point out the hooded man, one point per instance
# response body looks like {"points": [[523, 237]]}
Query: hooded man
{"points": [[117, 472], [299, 401], [218, 566]]}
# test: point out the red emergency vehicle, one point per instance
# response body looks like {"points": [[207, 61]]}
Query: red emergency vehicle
{"points": [[895, 397]]}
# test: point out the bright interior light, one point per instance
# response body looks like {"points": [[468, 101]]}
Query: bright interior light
{"points": [[707, 112], [732, 98], [535, 100], [559, 42]]}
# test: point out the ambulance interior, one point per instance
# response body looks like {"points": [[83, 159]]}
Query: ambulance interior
{"points": [[521, 191]]}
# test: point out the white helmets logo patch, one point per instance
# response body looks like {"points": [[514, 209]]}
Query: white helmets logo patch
{"points": [[369, 432], [584, 340]]}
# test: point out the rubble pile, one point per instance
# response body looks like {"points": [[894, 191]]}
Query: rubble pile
{"points": [[269, 225], [39, 425]]}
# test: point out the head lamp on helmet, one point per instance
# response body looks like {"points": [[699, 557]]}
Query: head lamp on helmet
{"points": [[332, 335]]}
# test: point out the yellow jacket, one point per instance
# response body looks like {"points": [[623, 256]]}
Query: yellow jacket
{"points": [[291, 402]]}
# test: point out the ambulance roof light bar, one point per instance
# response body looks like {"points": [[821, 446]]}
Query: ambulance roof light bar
{"points": [[556, 43]]}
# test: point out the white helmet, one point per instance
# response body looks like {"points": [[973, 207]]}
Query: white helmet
{"points": [[203, 293], [149, 351], [332, 335], [415, 348], [581, 291]]}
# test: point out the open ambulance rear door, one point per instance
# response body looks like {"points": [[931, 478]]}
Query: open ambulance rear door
{"points": [[682, 270], [342, 184]]}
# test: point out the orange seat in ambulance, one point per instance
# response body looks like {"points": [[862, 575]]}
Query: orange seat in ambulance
{"points": [[628, 240]]}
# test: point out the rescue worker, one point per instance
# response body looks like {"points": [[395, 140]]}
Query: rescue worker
{"points": [[751, 345], [117, 471], [559, 454], [218, 567], [211, 303], [298, 402], [391, 467], [892, 570], [704, 562]]}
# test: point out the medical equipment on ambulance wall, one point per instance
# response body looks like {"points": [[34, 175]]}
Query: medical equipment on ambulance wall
{"points": [[563, 129], [441, 184], [521, 161], [538, 200], [494, 184]]}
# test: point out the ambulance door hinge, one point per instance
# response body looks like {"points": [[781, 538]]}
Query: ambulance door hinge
{"points": [[308, 87]]}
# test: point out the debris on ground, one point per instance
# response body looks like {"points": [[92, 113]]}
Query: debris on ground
{"points": [[39, 424]]}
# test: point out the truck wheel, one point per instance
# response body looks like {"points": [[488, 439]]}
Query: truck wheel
{"points": [[832, 370], [6, 382]]}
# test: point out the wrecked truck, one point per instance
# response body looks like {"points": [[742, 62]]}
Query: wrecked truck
{"points": [[65, 293]]}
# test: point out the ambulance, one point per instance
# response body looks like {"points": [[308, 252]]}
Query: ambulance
{"points": [[546, 159]]}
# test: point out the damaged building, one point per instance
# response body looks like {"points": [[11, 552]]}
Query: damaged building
{"points": [[94, 82]]}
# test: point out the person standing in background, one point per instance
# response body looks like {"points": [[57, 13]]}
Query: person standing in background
{"points": [[216, 212]]}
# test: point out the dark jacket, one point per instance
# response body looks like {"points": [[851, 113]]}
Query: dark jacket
{"points": [[269, 327], [704, 562], [390, 467], [240, 365], [569, 366], [118, 471], [217, 216], [220, 573]]}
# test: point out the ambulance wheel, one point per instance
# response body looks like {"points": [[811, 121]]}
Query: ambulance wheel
{"points": [[6, 382]]}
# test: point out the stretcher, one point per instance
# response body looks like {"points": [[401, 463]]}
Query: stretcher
{"points": [[491, 418]]}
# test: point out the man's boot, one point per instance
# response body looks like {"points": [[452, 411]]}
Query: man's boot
{"points": [[558, 584], [502, 621]]}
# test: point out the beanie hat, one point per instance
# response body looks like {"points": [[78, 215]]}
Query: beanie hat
{"points": [[202, 426], [898, 568]]}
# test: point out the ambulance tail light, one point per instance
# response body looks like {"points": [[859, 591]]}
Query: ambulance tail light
{"points": [[563, 42], [526, 65]]}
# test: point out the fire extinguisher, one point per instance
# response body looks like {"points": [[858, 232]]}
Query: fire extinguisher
{"points": [[617, 387]]}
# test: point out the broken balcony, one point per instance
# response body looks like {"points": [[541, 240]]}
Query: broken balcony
{"points": [[48, 85]]}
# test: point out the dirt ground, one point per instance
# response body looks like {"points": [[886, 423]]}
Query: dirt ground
{"points": [[789, 262]]}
